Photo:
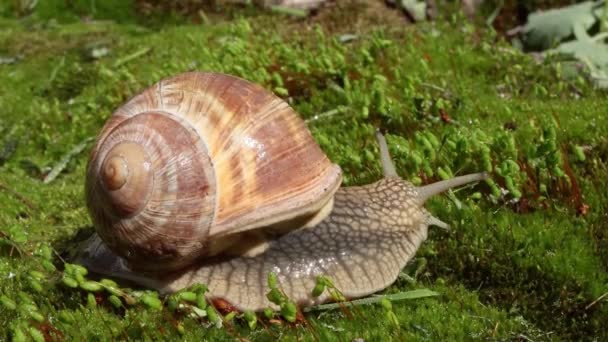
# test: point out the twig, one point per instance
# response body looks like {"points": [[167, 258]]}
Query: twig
{"points": [[329, 113], [13, 244], [595, 301], [203, 17], [436, 87], [59, 256], [495, 329], [131, 57], [60, 166], [18, 196]]}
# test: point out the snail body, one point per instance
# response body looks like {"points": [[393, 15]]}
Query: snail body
{"points": [[360, 237]]}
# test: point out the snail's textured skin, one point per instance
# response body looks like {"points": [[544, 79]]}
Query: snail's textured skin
{"points": [[371, 233]]}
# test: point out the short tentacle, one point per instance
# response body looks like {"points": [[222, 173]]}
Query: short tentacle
{"points": [[433, 221]]}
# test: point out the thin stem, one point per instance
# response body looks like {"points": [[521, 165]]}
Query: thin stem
{"points": [[595, 301], [327, 114]]}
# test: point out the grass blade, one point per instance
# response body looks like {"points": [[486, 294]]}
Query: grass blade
{"points": [[131, 57], [414, 294]]}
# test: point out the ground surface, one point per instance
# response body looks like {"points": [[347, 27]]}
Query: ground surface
{"points": [[526, 257]]}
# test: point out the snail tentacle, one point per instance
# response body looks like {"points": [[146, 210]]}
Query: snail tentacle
{"points": [[388, 168], [433, 221], [430, 190]]}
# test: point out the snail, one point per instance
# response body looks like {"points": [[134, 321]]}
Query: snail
{"points": [[209, 178]]}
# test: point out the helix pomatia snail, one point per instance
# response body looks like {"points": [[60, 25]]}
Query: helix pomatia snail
{"points": [[208, 178]]}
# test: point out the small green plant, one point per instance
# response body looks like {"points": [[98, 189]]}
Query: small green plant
{"points": [[288, 308], [27, 315], [13, 238], [24, 7], [323, 284]]}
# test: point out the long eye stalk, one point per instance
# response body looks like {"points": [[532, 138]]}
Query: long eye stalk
{"points": [[424, 192], [388, 168]]}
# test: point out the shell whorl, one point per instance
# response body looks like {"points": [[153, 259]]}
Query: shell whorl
{"points": [[166, 202], [198, 156]]}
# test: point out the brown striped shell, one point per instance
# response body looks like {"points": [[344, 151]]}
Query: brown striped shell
{"points": [[197, 157]]}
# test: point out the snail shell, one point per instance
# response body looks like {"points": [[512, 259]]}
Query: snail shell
{"points": [[186, 166]]}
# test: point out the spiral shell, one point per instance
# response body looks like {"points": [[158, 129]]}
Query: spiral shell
{"points": [[196, 157]]}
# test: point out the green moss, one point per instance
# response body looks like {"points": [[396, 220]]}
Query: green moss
{"points": [[452, 100]]}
